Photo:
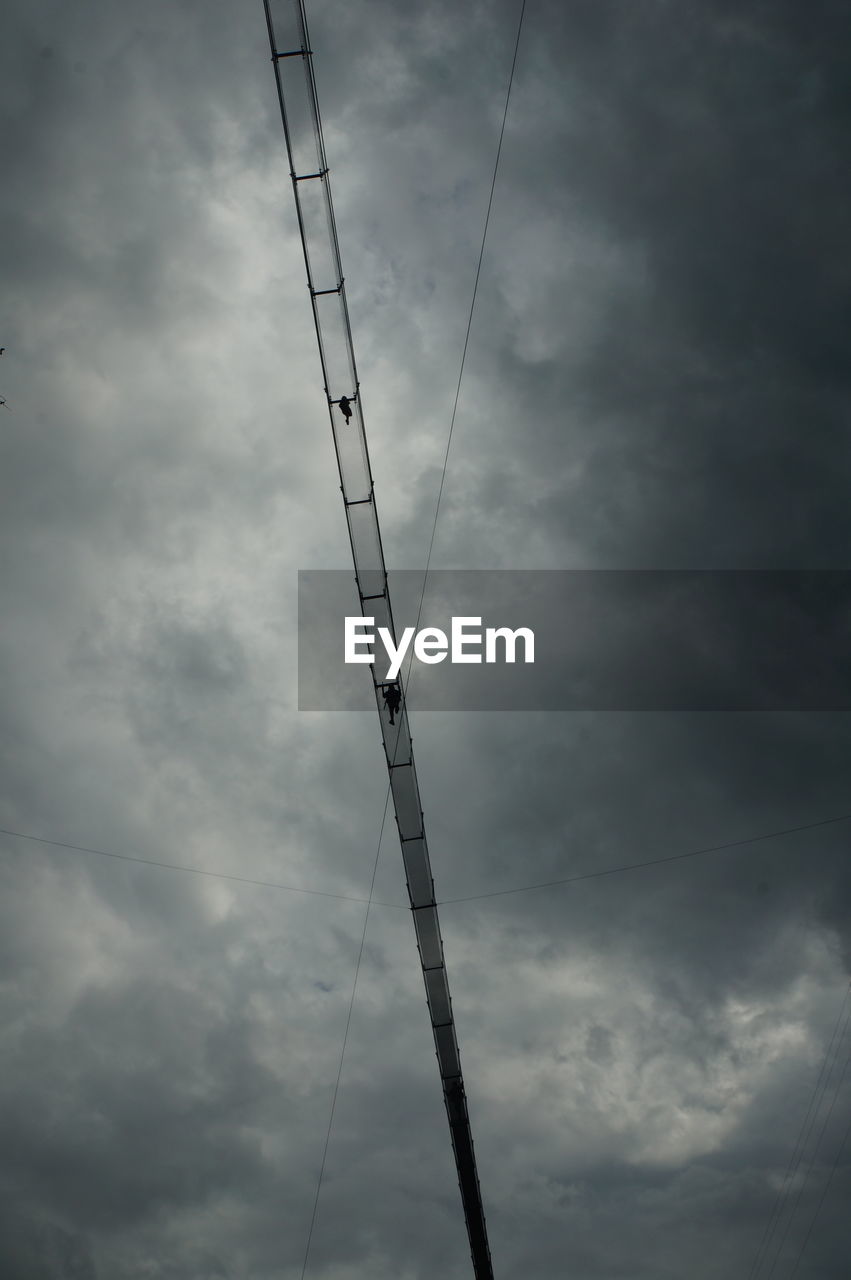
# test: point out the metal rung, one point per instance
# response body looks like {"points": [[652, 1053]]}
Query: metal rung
{"points": [[293, 53], [358, 502], [303, 177], [320, 293]]}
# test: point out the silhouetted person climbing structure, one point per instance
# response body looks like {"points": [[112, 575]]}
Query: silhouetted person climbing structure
{"points": [[392, 700], [455, 1098], [346, 407]]}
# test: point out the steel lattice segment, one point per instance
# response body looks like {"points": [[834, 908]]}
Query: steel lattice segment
{"points": [[292, 61]]}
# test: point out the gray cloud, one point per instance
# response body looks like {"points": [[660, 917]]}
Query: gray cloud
{"points": [[655, 379]]}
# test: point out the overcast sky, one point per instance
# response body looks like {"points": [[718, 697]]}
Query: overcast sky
{"points": [[657, 377]]}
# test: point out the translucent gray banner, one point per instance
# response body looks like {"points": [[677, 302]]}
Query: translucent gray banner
{"points": [[605, 640]]}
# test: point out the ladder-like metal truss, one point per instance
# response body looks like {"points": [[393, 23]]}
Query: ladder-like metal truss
{"points": [[292, 61]]}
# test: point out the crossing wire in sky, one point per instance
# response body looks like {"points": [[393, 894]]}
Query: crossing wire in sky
{"points": [[469, 322], [811, 1115], [441, 902]]}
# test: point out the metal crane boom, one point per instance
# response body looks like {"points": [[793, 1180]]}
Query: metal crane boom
{"points": [[292, 61]]}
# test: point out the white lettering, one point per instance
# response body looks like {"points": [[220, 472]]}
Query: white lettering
{"points": [[431, 645], [510, 638], [396, 656], [459, 639], [353, 640]]}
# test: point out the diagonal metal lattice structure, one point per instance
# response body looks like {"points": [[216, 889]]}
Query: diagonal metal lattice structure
{"points": [[292, 61]]}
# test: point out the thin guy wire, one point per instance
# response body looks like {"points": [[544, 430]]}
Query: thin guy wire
{"points": [[797, 1151], [834, 1167], [790, 1219], [474, 897], [193, 871], [650, 862], [467, 335], [343, 1050]]}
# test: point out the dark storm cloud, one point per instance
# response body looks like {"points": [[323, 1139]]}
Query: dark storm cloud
{"points": [[655, 379], [700, 198]]}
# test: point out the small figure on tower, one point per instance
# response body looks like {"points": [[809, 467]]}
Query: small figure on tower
{"points": [[392, 699], [346, 407]]}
